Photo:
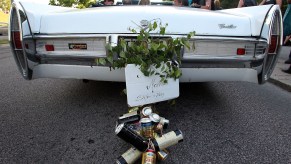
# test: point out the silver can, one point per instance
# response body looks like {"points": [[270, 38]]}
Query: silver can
{"points": [[146, 111]]}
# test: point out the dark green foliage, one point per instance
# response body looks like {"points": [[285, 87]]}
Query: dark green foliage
{"points": [[70, 3], [152, 51]]}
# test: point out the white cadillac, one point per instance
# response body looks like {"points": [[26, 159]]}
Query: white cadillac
{"points": [[240, 44]]}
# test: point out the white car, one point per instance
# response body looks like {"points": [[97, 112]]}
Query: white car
{"points": [[240, 44]]}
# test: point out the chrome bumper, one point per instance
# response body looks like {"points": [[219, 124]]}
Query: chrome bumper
{"points": [[101, 73]]}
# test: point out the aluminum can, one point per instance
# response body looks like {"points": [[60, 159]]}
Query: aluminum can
{"points": [[149, 157], [129, 157], [132, 137], [155, 117], [162, 155], [128, 119], [147, 128], [146, 111], [167, 140]]}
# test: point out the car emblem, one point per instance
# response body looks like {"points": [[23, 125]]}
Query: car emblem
{"points": [[78, 46], [230, 26], [144, 24]]}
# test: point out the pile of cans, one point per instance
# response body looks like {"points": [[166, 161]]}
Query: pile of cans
{"points": [[143, 129]]}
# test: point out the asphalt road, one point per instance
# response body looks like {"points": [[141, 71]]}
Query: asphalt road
{"points": [[68, 121]]}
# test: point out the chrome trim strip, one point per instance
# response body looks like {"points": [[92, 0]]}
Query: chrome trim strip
{"points": [[105, 74], [36, 36], [197, 37]]}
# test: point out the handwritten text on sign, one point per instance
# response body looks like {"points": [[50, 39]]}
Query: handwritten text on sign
{"points": [[143, 90]]}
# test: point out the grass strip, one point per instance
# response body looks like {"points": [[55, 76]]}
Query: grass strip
{"points": [[4, 41]]}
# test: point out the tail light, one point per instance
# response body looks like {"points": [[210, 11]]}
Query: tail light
{"points": [[274, 28], [273, 44], [17, 18], [16, 38], [49, 47], [241, 51]]}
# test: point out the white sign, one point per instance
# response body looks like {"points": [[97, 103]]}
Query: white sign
{"points": [[143, 90]]}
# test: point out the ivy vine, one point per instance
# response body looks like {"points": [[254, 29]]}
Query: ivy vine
{"points": [[153, 51]]}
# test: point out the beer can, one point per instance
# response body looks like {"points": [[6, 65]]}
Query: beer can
{"points": [[129, 157], [128, 119], [167, 140], [146, 111], [162, 155], [149, 157], [147, 127], [133, 113], [155, 117], [132, 137]]}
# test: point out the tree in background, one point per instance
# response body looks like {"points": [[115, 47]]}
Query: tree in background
{"points": [[72, 3], [5, 5]]}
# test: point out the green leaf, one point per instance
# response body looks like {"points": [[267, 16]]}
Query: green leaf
{"points": [[110, 59], [150, 26], [122, 43], [97, 61], [178, 73], [155, 25], [102, 61], [122, 54], [108, 47], [162, 30]]}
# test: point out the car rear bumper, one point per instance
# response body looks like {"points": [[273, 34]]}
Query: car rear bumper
{"points": [[102, 73]]}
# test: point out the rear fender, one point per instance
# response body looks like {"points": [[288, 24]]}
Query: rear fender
{"points": [[19, 27], [272, 31]]}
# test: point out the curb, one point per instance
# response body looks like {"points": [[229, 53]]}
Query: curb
{"points": [[280, 84]]}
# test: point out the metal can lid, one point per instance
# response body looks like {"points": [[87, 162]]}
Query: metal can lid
{"points": [[118, 128], [145, 120], [146, 111], [162, 154], [155, 117], [150, 150]]}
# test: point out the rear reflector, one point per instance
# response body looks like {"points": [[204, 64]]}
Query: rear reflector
{"points": [[16, 40], [49, 47], [241, 51], [273, 45]]}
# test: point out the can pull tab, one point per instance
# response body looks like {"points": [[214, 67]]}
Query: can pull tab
{"points": [[151, 145]]}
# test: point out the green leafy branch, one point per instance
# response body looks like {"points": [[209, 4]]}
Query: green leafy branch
{"points": [[153, 51]]}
